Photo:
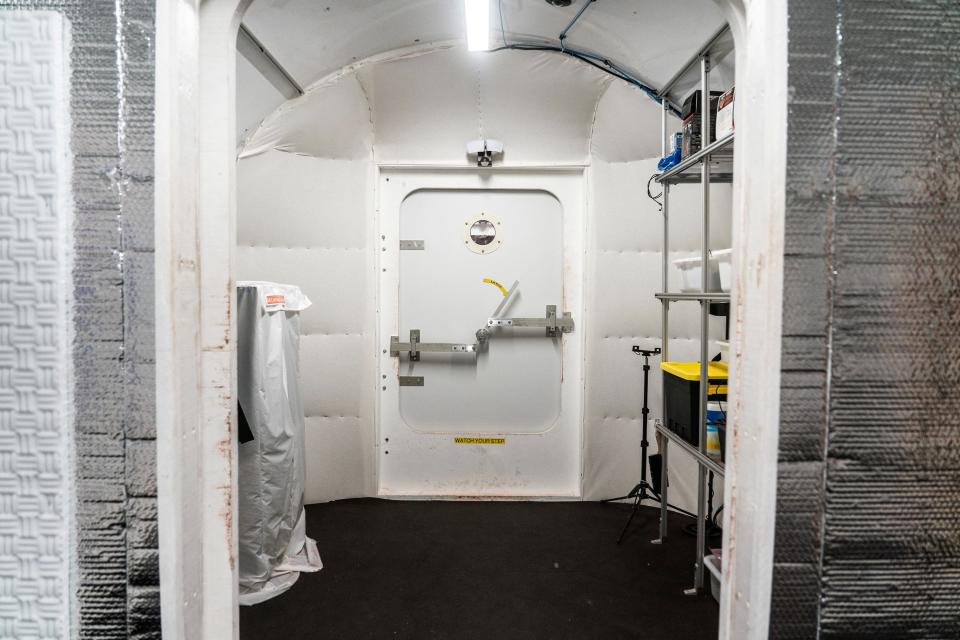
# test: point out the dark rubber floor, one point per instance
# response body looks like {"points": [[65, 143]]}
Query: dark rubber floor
{"points": [[488, 570]]}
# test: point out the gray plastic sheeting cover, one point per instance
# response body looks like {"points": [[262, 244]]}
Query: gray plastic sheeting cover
{"points": [[271, 465]]}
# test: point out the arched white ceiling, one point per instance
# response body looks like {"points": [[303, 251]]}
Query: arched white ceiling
{"points": [[424, 108], [313, 38], [406, 59]]}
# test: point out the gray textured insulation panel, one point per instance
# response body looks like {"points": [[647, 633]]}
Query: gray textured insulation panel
{"points": [[35, 238], [111, 112], [867, 541]]}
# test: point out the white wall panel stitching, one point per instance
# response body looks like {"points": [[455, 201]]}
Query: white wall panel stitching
{"points": [[35, 222]]}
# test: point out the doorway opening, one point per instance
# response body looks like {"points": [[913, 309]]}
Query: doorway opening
{"points": [[343, 337]]}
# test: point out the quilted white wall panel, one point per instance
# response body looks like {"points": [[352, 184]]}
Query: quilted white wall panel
{"points": [[308, 221], [328, 276], [35, 419], [297, 201], [348, 473], [685, 204], [629, 222], [332, 375], [331, 120], [626, 240], [627, 125]]}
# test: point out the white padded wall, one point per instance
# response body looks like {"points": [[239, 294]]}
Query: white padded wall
{"points": [[307, 221], [35, 385], [331, 120], [624, 272], [626, 125]]}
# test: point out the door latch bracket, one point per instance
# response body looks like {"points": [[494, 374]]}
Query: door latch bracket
{"points": [[553, 324]]}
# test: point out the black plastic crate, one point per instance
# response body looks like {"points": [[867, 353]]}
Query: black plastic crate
{"points": [[692, 121], [682, 400]]}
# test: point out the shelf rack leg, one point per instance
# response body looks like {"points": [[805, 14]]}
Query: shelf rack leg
{"points": [[663, 443], [698, 567], [704, 318]]}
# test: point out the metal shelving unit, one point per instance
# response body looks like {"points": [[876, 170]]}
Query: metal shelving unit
{"points": [[712, 164], [719, 154]]}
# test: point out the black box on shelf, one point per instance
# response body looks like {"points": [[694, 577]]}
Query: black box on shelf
{"points": [[692, 122]]}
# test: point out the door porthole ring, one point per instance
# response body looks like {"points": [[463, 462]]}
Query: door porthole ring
{"points": [[483, 233]]}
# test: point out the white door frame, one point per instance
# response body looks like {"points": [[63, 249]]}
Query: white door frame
{"points": [[196, 358], [196, 363]]}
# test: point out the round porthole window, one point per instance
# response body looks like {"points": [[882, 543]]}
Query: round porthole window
{"points": [[483, 233]]}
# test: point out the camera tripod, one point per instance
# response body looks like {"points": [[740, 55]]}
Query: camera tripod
{"points": [[643, 490]]}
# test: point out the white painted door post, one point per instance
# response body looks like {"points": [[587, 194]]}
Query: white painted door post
{"points": [[196, 363]]}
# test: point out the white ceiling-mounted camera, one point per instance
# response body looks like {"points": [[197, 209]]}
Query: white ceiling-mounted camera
{"points": [[484, 150]]}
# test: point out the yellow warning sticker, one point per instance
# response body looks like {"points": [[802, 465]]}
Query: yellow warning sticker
{"points": [[502, 288], [480, 441]]}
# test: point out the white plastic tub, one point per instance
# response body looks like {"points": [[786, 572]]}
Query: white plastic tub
{"points": [[719, 277], [712, 563]]}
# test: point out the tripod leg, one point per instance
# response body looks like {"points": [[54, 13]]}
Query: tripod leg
{"points": [[633, 512], [633, 494]]}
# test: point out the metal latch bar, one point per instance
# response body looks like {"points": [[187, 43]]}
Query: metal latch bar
{"points": [[553, 323], [414, 347]]}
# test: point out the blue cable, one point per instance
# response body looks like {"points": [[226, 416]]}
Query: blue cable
{"points": [[590, 58]]}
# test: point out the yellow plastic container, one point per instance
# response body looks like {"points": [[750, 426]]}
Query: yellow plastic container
{"points": [[716, 372]]}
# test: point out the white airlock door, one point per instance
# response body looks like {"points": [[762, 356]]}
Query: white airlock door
{"points": [[474, 402]]}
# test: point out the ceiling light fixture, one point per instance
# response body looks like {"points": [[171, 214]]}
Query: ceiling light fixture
{"points": [[478, 24]]}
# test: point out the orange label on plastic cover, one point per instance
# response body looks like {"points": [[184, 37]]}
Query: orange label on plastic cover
{"points": [[276, 299]]}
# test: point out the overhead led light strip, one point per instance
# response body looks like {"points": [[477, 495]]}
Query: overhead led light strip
{"points": [[478, 24]]}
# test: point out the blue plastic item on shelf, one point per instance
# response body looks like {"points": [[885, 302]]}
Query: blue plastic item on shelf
{"points": [[716, 427], [672, 158]]}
